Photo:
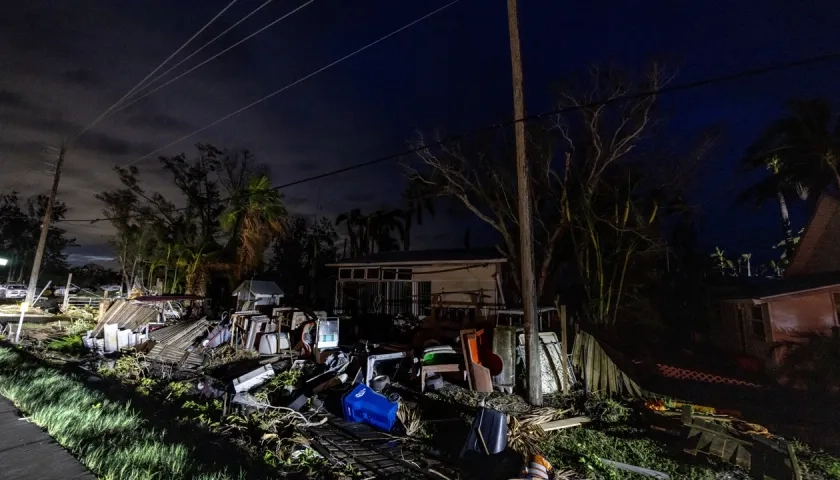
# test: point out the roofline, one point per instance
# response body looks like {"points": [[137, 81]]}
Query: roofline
{"points": [[785, 294], [424, 262], [796, 264]]}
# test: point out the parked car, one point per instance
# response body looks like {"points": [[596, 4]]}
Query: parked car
{"points": [[15, 290], [110, 288], [59, 291]]}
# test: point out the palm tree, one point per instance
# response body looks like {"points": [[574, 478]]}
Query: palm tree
{"points": [[253, 222], [352, 220], [780, 185], [806, 142], [379, 227], [418, 199]]}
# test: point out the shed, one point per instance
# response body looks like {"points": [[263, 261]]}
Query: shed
{"points": [[259, 292]]}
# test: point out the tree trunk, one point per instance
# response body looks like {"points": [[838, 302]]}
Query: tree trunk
{"points": [[787, 231]]}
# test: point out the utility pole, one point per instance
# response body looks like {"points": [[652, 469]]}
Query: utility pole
{"points": [[526, 239], [45, 229]]}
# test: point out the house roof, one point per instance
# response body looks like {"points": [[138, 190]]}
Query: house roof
{"points": [[819, 247], [765, 289], [426, 257], [259, 287]]}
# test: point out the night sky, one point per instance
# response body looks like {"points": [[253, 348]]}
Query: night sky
{"points": [[63, 62]]}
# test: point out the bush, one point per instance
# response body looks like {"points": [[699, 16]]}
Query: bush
{"points": [[71, 344]]}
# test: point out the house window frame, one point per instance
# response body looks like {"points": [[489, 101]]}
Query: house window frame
{"points": [[761, 309], [835, 296]]}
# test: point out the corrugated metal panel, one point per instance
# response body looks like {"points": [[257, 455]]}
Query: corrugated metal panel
{"points": [[176, 334], [128, 315]]}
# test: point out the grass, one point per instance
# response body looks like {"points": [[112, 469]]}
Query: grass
{"points": [[111, 439], [71, 345], [617, 433], [816, 462]]}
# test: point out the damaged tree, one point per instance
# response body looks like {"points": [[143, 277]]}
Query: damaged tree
{"points": [[600, 186]]}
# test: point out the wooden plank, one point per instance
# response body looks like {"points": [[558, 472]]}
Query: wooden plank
{"points": [[794, 463], [564, 423], [590, 362], [482, 381], [634, 469], [563, 346], [611, 377]]}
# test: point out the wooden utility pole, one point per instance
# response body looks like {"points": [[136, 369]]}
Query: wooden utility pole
{"points": [[526, 239], [45, 228]]}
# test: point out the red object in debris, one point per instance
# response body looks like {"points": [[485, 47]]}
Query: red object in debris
{"points": [[493, 363], [748, 364]]}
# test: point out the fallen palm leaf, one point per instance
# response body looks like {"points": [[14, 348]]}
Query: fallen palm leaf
{"points": [[525, 433], [410, 418]]}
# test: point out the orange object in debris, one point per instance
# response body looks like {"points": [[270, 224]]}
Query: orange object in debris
{"points": [[536, 468], [655, 405]]}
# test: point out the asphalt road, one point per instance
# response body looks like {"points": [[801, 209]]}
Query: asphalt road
{"points": [[28, 453]]}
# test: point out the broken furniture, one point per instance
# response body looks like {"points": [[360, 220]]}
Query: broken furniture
{"points": [[474, 348], [372, 360], [428, 370], [326, 337], [272, 343], [253, 379], [362, 404]]}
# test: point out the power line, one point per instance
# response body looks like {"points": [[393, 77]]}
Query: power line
{"points": [[496, 126], [141, 82], [197, 51], [296, 82], [205, 62]]}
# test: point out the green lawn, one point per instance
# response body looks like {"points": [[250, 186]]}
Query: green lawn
{"points": [[112, 439]]}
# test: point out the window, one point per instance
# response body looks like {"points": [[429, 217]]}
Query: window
{"points": [[424, 298], [397, 298], [404, 274], [372, 274], [389, 274], [345, 273], [757, 317], [358, 274]]}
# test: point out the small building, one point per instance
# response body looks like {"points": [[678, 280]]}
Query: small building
{"points": [[414, 282], [753, 318], [257, 293]]}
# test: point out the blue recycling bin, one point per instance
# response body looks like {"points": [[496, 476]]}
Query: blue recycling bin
{"points": [[364, 405]]}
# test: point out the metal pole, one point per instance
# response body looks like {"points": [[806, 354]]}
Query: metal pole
{"points": [[45, 228], [526, 250], [66, 301], [23, 307]]}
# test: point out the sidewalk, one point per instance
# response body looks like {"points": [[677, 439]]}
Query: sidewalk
{"points": [[28, 453]]}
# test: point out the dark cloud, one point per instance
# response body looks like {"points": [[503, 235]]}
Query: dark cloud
{"points": [[21, 147], [306, 167], [359, 198], [111, 146], [157, 121], [44, 122], [295, 201], [82, 77], [15, 100]]}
